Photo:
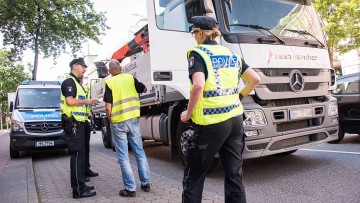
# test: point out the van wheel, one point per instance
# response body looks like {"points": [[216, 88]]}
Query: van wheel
{"points": [[184, 134], [13, 153], [105, 131], [341, 135]]}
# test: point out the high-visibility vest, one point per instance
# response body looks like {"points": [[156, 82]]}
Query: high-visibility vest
{"points": [[78, 112], [220, 98], [125, 103]]}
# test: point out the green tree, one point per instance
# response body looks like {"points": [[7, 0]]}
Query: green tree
{"points": [[341, 24], [11, 75], [49, 27]]}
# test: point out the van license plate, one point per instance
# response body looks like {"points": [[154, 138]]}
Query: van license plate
{"points": [[300, 113], [44, 144]]}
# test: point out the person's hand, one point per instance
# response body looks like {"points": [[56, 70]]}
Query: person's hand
{"points": [[92, 102], [185, 117]]}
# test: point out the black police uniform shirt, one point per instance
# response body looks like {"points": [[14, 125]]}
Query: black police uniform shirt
{"points": [[108, 98], [68, 87], [196, 63]]}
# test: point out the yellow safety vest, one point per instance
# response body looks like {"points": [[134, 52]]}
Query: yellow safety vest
{"points": [[78, 112], [125, 103], [220, 98]]}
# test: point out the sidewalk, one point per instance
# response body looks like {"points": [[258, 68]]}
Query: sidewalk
{"points": [[53, 182], [17, 182]]}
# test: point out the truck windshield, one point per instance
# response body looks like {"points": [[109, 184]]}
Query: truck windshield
{"points": [[279, 16], [36, 98]]}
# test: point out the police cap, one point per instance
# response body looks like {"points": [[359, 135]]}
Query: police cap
{"points": [[79, 61], [204, 22]]}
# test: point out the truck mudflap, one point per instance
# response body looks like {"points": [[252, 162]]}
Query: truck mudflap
{"points": [[290, 142]]}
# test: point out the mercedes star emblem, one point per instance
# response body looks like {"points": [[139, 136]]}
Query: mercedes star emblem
{"points": [[297, 82], [44, 126]]}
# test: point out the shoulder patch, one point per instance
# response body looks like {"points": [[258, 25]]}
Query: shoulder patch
{"points": [[191, 62], [69, 88]]}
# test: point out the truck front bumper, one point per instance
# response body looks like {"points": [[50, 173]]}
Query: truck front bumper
{"points": [[21, 141], [289, 142]]}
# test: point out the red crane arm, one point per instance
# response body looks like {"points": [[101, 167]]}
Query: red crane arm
{"points": [[134, 46]]}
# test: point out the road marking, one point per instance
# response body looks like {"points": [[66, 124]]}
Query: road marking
{"points": [[331, 151]]}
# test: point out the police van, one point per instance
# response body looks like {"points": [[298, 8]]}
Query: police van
{"points": [[35, 120]]}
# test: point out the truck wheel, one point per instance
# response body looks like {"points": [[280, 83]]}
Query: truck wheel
{"points": [[105, 129], [13, 153], [112, 143], [183, 135], [341, 135]]}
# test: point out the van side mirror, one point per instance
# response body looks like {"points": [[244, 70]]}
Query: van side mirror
{"points": [[11, 106]]}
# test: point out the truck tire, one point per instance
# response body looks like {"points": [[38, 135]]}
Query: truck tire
{"points": [[183, 134], [105, 131], [341, 135], [13, 153]]}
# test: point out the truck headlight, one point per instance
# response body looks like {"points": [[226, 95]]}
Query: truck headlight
{"points": [[333, 109], [17, 126], [254, 118]]}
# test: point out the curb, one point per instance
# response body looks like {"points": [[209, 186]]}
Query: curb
{"points": [[31, 186]]}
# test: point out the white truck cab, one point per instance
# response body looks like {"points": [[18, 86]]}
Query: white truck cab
{"points": [[35, 120], [281, 40]]}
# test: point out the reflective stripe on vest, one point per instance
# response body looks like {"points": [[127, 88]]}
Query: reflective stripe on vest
{"points": [[125, 104], [220, 98], [80, 113]]}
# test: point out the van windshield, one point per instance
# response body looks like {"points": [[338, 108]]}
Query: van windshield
{"points": [[37, 98]]}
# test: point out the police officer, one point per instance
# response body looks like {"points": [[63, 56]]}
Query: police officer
{"points": [[88, 171], [216, 112], [74, 114]]}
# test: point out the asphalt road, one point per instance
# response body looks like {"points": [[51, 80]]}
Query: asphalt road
{"points": [[323, 173]]}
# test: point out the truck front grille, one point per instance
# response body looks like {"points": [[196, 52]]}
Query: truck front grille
{"points": [[43, 127], [285, 87], [297, 125], [276, 72]]}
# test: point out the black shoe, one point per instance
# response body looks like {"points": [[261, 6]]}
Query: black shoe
{"points": [[89, 187], [146, 188], [87, 179], [90, 173], [127, 193], [84, 194]]}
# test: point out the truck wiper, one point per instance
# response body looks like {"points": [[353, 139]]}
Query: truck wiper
{"points": [[259, 28], [303, 32]]}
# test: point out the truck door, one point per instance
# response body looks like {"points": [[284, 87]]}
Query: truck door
{"points": [[170, 38]]}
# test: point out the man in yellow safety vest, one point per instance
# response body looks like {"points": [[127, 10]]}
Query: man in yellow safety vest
{"points": [[123, 111]]}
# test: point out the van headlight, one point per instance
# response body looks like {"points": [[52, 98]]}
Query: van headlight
{"points": [[254, 118], [17, 126], [333, 109]]}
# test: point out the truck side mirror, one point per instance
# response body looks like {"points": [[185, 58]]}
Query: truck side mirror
{"points": [[11, 106]]}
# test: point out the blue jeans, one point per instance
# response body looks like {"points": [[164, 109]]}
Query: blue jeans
{"points": [[122, 133]]}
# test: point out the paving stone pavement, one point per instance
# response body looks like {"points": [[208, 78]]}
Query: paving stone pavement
{"points": [[52, 177]]}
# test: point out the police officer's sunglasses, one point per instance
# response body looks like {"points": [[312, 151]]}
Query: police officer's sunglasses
{"points": [[193, 32]]}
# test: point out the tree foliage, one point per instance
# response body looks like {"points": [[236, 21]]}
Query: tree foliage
{"points": [[341, 24], [49, 26], [11, 75]]}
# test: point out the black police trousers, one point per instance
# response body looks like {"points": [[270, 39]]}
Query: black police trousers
{"points": [[87, 146], [227, 138], [77, 159]]}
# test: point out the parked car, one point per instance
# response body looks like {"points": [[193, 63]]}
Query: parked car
{"points": [[347, 93]]}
